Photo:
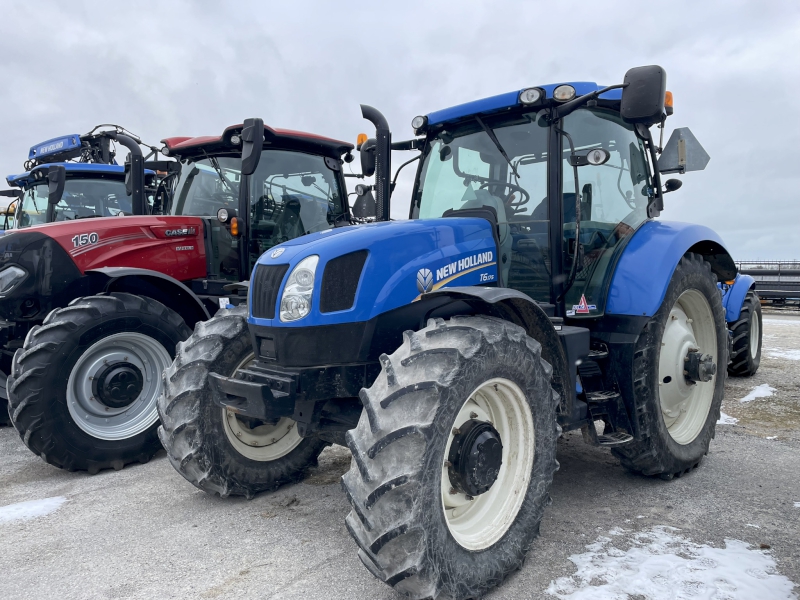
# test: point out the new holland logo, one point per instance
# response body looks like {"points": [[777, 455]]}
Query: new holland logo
{"points": [[277, 252], [424, 280]]}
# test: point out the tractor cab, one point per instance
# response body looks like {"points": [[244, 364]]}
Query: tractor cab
{"points": [[566, 175], [77, 177], [256, 187], [88, 191]]}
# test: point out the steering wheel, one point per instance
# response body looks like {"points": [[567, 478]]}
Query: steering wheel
{"points": [[513, 187]]}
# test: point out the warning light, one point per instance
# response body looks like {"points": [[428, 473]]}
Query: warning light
{"points": [[362, 137], [668, 102], [235, 227]]}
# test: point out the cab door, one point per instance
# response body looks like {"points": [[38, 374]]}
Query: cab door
{"points": [[612, 198]]}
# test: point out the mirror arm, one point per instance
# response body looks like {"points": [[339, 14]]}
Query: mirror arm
{"points": [[564, 109], [400, 168], [655, 206]]}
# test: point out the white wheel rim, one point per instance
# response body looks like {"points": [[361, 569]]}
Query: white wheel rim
{"points": [[478, 523], [755, 335], [685, 407], [109, 423], [262, 443]]}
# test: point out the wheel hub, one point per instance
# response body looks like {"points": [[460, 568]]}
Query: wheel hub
{"points": [[118, 384], [476, 455], [698, 367]]}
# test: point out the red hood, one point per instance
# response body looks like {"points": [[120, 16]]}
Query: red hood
{"points": [[171, 245]]}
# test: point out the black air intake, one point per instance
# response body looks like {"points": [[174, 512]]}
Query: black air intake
{"points": [[340, 282], [266, 284]]}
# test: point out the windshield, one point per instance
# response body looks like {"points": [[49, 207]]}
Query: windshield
{"points": [[291, 193], [82, 198], [465, 169]]}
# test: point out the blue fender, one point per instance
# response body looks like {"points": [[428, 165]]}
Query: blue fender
{"points": [[733, 296], [645, 268]]}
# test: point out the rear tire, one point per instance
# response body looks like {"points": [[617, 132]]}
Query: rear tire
{"points": [[677, 421], [413, 531], [746, 332], [212, 448], [53, 402]]}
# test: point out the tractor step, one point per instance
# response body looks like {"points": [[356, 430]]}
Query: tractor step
{"points": [[615, 438], [600, 397], [598, 353]]}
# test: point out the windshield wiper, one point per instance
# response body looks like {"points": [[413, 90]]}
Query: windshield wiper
{"points": [[215, 164], [499, 146]]}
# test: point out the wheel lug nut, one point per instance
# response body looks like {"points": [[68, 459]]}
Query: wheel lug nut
{"points": [[469, 498], [453, 491], [448, 464], [473, 415], [456, 431]]}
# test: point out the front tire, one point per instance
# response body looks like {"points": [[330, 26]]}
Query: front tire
{"points": [[212, 448], [83, 387], [746, 342], [676, 418], [416, 527]]}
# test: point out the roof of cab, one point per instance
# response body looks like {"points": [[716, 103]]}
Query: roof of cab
{"points": [[86, 169], [277, 138], [510, 100]]}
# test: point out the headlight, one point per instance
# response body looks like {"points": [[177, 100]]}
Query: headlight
{"points": [[9, 277], [530, 95], [296, 298], [563, 93]]}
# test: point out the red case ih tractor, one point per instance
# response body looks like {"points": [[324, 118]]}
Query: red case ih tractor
{"points": [[94, 308]]}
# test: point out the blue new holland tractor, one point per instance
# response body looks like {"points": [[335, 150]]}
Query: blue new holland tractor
{"points": [[531, 292]]}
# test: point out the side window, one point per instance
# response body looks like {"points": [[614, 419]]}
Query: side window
{"points": [[613, 201]]}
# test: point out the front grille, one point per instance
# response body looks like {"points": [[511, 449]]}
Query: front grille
{"points": [[265, 284], [340, 282]]}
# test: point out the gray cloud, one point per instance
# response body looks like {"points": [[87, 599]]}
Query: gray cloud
{"points": [[192, 68]]}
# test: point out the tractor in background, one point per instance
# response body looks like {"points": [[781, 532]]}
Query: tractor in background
{"points": [[531, 292], [93, 308], [77, 177]]}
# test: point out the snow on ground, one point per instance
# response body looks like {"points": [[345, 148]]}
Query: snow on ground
{"points": [[663, 565], [22, 511], [780, 322], [797, 504], [726, 419], [786, 354], [764, 390]]}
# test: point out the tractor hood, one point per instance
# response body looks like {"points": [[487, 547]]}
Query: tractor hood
{"points": [[404, 260]]}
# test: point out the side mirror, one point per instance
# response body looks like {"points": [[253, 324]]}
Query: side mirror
{"points": [[364, 207], [670, 185], [682, 153], [367, 155], [252, 144], [643, 95], [56, 178]]}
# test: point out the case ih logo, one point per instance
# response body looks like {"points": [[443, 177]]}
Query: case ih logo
{"points": [[180, 232]]}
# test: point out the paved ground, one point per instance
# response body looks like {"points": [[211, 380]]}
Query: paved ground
{"points": [[145, 533]]}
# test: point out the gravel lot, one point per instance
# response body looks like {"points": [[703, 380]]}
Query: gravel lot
{"points": [[145, 533]]}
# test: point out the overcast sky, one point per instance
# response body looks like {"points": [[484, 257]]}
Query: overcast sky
{"points": [[192, 68]]}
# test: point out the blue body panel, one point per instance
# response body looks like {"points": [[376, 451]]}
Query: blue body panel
{"points": [[733, 296], [455, 251], [511, 99], [645, 268], [23, 179], [54, 146]]}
